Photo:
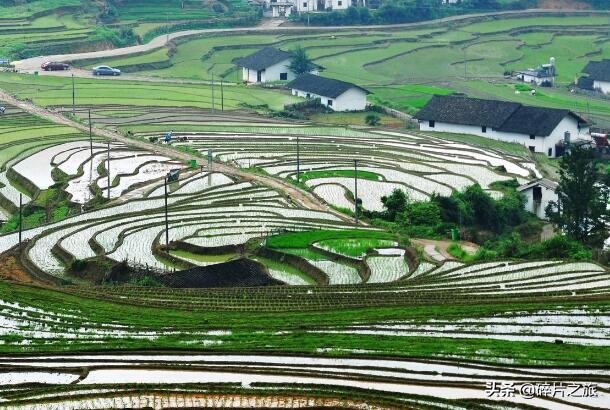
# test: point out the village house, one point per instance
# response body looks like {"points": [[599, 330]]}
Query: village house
{"points": [[537, 195], [335, 94], [267, 64], [543, 75], [545, 130], [598, 76], [284, 8]]}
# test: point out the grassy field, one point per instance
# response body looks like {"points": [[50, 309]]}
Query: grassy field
{"points": [[404, 68], [48, 91]]}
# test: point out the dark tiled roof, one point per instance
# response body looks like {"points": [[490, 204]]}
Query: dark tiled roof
{"points": [[323, 86], [598, 70], [500, 115], [263, 58], [547, 183], [585, 83], [467, 111]]}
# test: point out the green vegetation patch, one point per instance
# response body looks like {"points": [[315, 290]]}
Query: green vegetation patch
{"points": [[339, 173], [354, 247], [304, 239]]}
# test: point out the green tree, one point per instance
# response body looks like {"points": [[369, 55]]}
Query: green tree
{"points": [[372, 119], [582, 198], [394, 204], [300, 62]]}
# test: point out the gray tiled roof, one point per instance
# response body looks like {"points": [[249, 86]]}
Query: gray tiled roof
{"points": [[263, 58], [500, 115], [327, 87], [598, 70]]}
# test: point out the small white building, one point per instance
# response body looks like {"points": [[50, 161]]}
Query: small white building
{"points": [[267, 64], [279, 8], [335, 94], [599, 73], [544, 130], [537, 196], [543, 75]]}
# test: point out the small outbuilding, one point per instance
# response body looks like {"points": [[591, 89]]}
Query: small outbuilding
{"points": [[335, 94], [537, 195], [540, 129]]}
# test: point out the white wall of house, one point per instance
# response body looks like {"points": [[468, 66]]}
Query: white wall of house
{"points": [[306, 5], [533, 79], [540, 144], [272, 73], [353, 99], [337, 4], [603, 86], [538, 207]]}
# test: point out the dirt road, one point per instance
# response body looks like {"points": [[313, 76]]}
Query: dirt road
{"points": [[299, 196], [33, 64]]}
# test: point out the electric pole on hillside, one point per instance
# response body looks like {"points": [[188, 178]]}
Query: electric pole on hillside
{"points": [[166, 218], [90, 135], [20, 217], [213, 92], [108, 169], [73, 96], [222, 96], [298, 161], [356, 189]]}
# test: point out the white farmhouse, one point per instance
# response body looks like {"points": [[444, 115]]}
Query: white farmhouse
{"points": [[545, 130], [537, 196], [335, 94], [599, 74], [267, 64]]}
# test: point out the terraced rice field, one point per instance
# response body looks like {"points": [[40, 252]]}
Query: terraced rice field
{"points": [[417, 164]]}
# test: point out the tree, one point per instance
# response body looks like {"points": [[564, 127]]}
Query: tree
{"points": [[300, 62], [372, 119], [394, 204], [582, 198]]}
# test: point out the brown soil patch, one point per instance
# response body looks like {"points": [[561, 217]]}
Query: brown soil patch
{"points": [[11, 269], [563, 4]]}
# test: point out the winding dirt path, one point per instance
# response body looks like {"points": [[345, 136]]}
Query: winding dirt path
{"points": [[297, 195], [33, 64]]}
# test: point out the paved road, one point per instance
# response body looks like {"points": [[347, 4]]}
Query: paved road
{"points": [[299, 196], [33, 64]]}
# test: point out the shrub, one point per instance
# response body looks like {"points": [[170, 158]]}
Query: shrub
{"points": [[372, 119]]}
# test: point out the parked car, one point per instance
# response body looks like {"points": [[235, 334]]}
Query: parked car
{"points": [[54, 66], [105, 70]]}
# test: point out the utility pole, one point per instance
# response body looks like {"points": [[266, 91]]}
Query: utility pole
{"points": [[213, 92], [222, 96], [465, 65], [90, 135], [166, 220], [73, 96], [108, 169], [20, 217], [298, 161], [356, 189]]}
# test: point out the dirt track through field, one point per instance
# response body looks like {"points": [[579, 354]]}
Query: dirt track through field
{"points": [[300, 197]]}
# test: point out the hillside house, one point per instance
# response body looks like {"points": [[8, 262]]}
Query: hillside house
{"points": [[545, 130], [542, 75], [537, 195], [335, 94], [598, 76], [284, 8], [267, 64]]}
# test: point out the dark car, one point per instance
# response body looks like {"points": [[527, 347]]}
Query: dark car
{"points": [[105, 70], [54, 66]]}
